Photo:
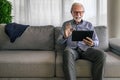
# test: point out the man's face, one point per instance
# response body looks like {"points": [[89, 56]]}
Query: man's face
{"points": [[77, 13]]}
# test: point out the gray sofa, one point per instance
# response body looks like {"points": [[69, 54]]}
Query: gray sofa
{"points": [[36, 56]]}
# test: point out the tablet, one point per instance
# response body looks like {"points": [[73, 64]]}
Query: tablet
{"points": [[80, 35]]}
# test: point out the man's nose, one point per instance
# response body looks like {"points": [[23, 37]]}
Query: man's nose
{"points": [[78, 14]]}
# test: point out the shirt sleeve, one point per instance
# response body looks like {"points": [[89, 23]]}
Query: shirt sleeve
{"points": [[61, 39], [95, 39]]}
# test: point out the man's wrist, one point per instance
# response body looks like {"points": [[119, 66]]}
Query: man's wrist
{"points": [[64, 37], [93, 45]]}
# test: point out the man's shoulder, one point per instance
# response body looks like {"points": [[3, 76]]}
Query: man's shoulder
{"points": [[69, 21], [87, 22], [65, 22]]}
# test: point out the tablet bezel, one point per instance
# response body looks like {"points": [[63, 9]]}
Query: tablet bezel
{"points": [[80, 35]]}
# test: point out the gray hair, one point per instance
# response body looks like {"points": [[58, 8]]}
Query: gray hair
{"points": [[76, 3]]}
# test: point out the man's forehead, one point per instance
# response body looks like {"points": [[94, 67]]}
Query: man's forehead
{"points": [[78, 8]]}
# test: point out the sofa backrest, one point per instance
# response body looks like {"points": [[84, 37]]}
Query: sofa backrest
{"points": [[42, 38], [33, 38], [101, 32]]}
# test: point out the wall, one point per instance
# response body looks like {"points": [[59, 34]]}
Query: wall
{"points": [[114, 18]]}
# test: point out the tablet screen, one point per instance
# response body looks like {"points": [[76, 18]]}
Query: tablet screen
{"points": [[80, 35]]}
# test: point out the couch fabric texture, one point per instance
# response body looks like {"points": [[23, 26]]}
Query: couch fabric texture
{"points": [[35, 54], [115, 45]]}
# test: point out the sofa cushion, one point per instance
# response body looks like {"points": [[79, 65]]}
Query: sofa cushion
{"points": [[115, 45], [83, 67], [57, 32], [112, 66], [27, 64], [34, 37]]}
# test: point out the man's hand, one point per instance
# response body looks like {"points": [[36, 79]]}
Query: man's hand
{"points": [[88, 41], [68, 30]]}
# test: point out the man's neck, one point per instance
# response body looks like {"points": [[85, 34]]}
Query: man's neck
{"points": [[78, 22]]}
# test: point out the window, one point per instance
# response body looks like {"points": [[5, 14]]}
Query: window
{"points": [[37, 12], [55, 12]]}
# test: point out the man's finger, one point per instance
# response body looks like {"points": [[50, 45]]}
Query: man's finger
{"points": [[89, 39]]}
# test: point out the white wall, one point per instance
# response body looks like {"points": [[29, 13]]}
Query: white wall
{"points": [[114, 18]]}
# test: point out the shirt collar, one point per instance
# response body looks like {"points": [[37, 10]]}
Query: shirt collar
{"points": [[78, 23]]}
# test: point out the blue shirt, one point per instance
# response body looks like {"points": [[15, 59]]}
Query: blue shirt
{"points": [[83, 25]]}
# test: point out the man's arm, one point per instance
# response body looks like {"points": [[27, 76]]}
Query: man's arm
{"points": [[94, 42], [95, 39], [66, 31], [61, 39]]}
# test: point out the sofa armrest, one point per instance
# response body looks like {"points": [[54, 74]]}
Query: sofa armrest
{"points": [[114, 44]]}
